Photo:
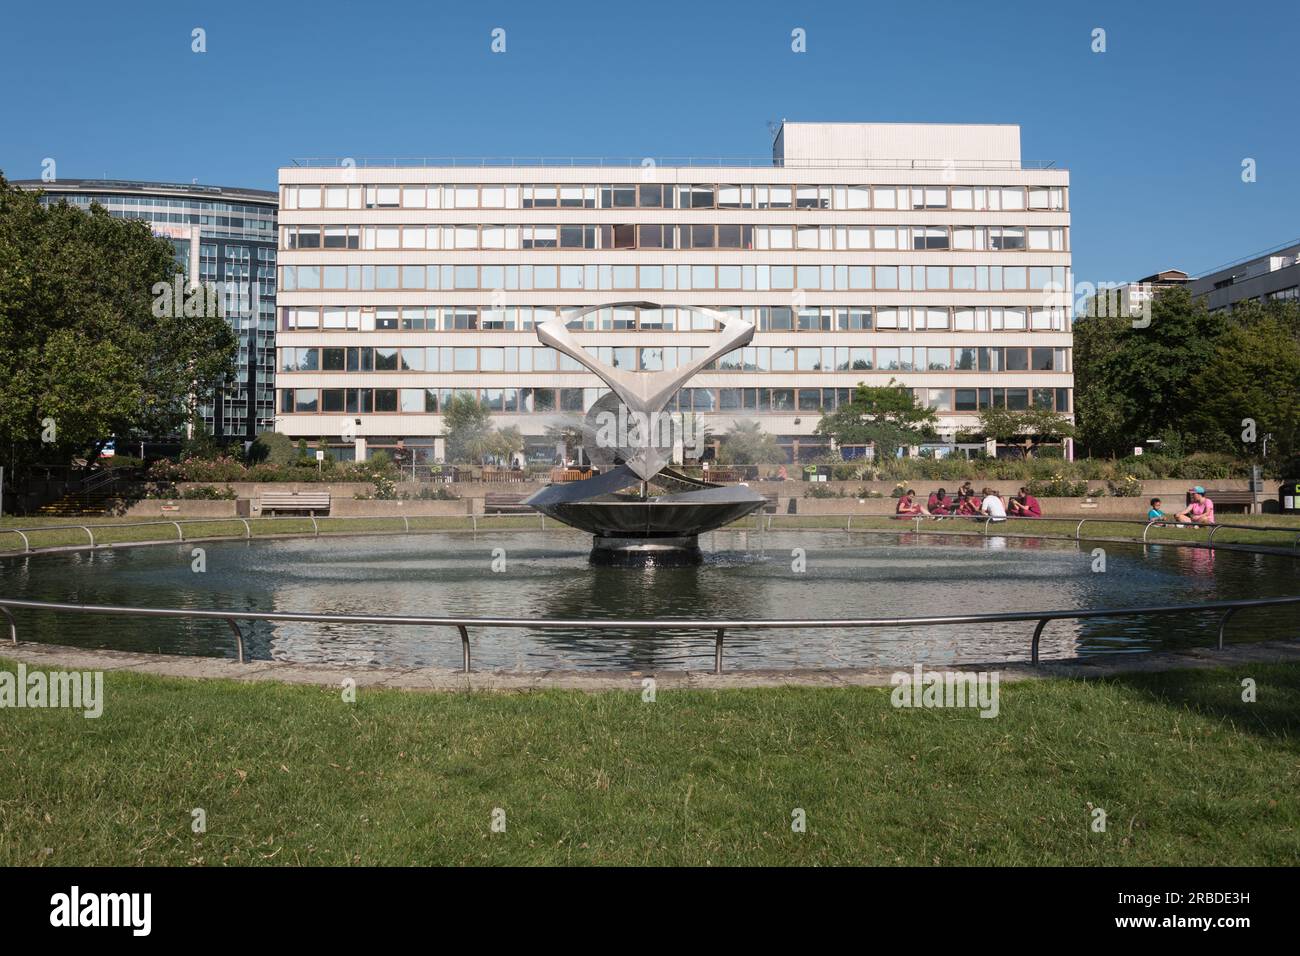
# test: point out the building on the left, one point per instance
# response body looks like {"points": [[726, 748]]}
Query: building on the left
{"points": [[221, 235]]}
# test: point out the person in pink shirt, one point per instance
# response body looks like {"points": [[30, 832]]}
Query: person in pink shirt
{"points": [[1200, 511], [1024, 505]]}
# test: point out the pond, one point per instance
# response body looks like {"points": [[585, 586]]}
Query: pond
{"points": [[745, 574]]}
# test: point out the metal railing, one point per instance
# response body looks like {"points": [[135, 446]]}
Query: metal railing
{"points": [[717, 627], [619, 162], [931, 521], [90, 529], [763, 521]]}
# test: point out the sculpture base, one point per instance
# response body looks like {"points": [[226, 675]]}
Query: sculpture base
{"points": [[630, 552]]}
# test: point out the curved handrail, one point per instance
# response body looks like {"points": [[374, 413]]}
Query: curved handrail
{"points": [[718, 627]]}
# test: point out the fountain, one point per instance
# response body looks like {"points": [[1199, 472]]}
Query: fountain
{"points": [[630, 439]]}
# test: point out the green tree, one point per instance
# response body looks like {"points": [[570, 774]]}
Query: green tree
{"points": [[1253, 375], [81, 342], [470, 435], [745, 443], [1134, 383], [1027, 429], [274, 448], [887, 416]]}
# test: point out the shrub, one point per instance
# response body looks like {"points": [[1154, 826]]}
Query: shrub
{"points": [[272, 448], [818, 490], [1058, 487], [208, 493]]}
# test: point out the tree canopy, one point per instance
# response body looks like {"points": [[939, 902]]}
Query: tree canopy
{"points": [[745, 443], [1190, 377], [83, 354], [887, 416], [471, 436]]}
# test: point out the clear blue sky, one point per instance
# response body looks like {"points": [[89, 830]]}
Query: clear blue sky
{"points": [[1154, 130]]}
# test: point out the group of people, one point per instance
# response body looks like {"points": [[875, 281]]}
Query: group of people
{"points": [[969, 503], [1199, 511]]}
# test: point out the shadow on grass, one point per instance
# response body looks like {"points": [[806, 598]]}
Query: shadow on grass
{"points": [[1274, 713]]}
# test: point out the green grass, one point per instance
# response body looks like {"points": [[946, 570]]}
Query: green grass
{"points": [[1186, 772], [57, 532]]}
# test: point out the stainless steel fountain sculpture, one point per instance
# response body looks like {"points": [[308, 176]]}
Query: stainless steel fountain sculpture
{"points": [[630, 439]]}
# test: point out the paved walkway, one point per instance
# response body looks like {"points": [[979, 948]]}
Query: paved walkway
{"points": [[56, 657]]}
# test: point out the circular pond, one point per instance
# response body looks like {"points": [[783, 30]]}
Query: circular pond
{"points": [[794, 574]]}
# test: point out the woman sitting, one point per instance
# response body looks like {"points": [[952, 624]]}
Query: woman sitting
{"points": [[907, 506]]}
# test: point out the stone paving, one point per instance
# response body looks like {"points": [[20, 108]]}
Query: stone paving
{"points": [[57, 657]]}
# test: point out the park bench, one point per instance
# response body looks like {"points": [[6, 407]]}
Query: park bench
{"points": [[502, 503], [311, 502], [1223, 500], [498, 476]]}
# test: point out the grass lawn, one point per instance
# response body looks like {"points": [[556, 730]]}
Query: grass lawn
{"points": [[1186, 772], [66, 531]]}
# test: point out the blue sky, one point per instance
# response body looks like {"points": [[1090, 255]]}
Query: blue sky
{"points": [[1154, 130]]}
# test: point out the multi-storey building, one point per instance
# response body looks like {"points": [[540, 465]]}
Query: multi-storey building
{"points": [[1272, 275], [927, 254], [221, 235]]}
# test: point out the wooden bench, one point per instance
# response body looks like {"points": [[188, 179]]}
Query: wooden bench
{"points": [[501, 503], [1229, 499], [311, 502]]}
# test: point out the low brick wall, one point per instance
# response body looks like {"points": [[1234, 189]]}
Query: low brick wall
{"points": [[180, 508], [1135, 508], [344, 507]]}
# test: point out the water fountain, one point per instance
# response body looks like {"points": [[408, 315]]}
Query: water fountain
{"points": [[630, 439]]}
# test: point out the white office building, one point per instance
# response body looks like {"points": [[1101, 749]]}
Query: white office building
{"points": [[862, 252]]}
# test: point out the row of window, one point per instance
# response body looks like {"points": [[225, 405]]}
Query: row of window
{"points": [[656, 358], [661, 196], [775, 318], [580, 236], [419, 401], [756, 278]]}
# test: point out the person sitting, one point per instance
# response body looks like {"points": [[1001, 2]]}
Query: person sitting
{"points": [[1025, 505], [940, 504], [967, 503], [1155, 513], [907, 506], [1200, 511], [992, 507]]}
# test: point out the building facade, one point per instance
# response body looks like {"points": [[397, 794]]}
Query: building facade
{"points": [[1273, 275], [927, 254], [221, 235]]}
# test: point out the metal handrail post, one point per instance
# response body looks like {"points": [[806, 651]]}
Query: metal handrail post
{"points": [[717, 651], [13, 625], [180, 532], [1223, 623], [464, 647], [91, 533], [239, 638], [248, 532], [1038, 633]]}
